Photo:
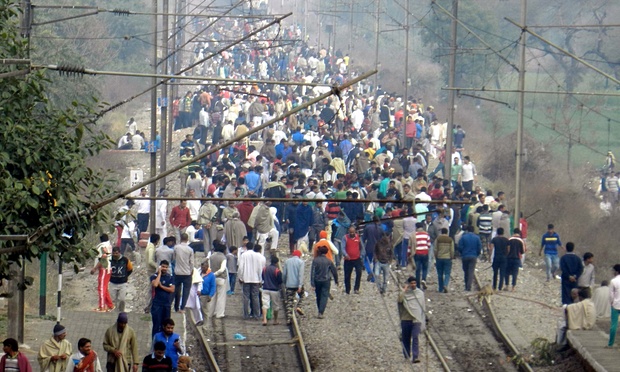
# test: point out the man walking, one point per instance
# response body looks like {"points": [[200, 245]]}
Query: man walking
{"points": [[614, 301], [13, 360], [162, 285], [272, 281], [516, 248], [550, 243], [353, 256], [293, 278], [174, 347], [372, 233], [183, 270], [121, 269], [122, 346], [412, 312], [572, 268], [54, 353], [470, 248], [321, 274], [102, 265], [383, 257], [421, 245], [499, 252], [143, 207], [180, 219], [444, 254], [250, 271], [218, 264], [87, 359]]}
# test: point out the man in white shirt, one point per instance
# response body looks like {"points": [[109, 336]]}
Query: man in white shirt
{"points": [[143, 207], [250, 270], [423, 196], [161, 213], [468, 174], [193, 205]]}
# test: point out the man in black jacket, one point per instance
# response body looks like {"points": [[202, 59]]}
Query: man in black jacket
{"points": [[321, 273]]}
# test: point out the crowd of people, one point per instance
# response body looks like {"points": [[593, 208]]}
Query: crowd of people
{"points": [[367, 151]]}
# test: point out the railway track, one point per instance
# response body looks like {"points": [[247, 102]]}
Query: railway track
{"points": [[465, 334], [235, 344]]}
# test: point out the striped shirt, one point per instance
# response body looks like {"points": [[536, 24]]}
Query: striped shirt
{"points": [[422, 243], [10, 364]]}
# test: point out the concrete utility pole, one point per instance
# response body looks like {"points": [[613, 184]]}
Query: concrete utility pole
{"points": [[519, 152], [406, 98], [377, 43], [447, 162], [153, 188], [163, 131]]}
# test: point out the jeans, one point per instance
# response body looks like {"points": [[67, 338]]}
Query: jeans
{"points": [[349, 265], [552, 262], [232, 279], [159, 312], [321, 290], [143, 223], [439, 167], [118, 293], [385, 269], [368, 264], [181, 283], [614, 326], [469, 266], [512, 269], [400, 252], [421, 267], [410, 332], [499, 268], [251, 305], [444, 268]]}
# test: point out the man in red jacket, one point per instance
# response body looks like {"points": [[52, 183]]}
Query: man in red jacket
{"points": [[353, 252], [180, 219]]}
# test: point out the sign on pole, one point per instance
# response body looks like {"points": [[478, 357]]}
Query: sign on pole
{"points": [[136, 176]]}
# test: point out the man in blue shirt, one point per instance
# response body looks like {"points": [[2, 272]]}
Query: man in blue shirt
{"points": [[172, 340], [470, 248], [163, 289], [252, 181], [550, 243]]}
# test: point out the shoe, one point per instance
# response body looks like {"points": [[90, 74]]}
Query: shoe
{"points": [[229, 293], [100, 310], [558, 277], [416, 361], [331, 297], [445, 290], [423, 282], [521, 268], [300, 311], [356, 292], [200, 323], [320, 316]]}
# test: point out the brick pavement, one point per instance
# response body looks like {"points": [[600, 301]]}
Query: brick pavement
{"points": [[92, 325]]}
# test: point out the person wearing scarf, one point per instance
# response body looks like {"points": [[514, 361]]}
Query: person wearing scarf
{"points": [[54, 353], [85, 359], [412, 311], [122, 346]]}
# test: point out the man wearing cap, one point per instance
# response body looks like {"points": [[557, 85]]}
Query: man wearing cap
{"points": [[293, 278], [122, 346], [54, 353], [412, 312]]}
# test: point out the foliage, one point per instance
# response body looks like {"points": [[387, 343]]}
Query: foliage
{"points": [[544, 352], [43, 150]]}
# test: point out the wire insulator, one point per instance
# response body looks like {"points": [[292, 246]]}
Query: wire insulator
{"points": [[121, 12], [71, 70]]}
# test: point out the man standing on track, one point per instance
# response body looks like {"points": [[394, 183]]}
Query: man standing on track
{"points": [[321, 274], [550, 243], [162, 285], [353, 256], [412, 312], [250, 273], [293, 278], [499, 252], [183, 269], [470, 248]]}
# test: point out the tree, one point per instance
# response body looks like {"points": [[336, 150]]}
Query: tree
{"points": [[43, 152]]}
